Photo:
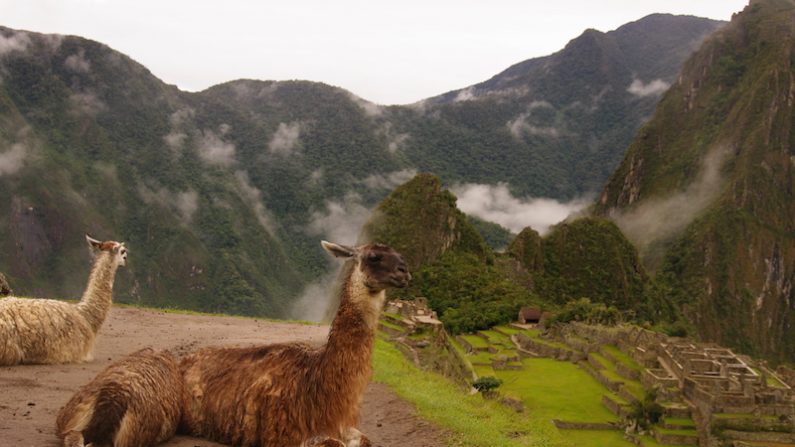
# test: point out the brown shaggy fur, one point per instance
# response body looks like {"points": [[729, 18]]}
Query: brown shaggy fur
{"points": [[133, 403], [51, 331], [290, 395]]}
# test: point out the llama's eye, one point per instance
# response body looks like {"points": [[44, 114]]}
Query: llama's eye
{"points": [[373, 257]]}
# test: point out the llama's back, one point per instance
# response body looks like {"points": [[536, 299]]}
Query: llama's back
{"points": [[248, 396], [42, 331], [133, 402]]}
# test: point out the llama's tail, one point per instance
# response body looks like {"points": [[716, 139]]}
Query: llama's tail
{"points": [[109, 411], [96, 421]]}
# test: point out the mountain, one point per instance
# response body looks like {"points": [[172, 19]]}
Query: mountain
{"points": [[706, 190], [557, 126], [223, 194], [586, 258], [451, 265]]}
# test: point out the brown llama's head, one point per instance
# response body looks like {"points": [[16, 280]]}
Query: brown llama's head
{"points": [[116, 249], [380, 264]]}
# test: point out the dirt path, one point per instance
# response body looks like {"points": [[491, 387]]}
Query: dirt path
{"points": [[31, 395]]}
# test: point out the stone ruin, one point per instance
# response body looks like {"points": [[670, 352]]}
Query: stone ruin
{"points": [[416, 312]]}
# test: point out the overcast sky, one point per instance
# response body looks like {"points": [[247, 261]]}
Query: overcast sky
{"points": [[389, 52]]}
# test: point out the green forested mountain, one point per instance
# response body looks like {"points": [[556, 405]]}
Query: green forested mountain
{"points": [[707, 188], [586, 258], [557, 126], [222, 195], [463, 280]]}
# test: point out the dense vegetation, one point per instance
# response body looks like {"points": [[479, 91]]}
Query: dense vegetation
{"points": [[451, 264], [725, 255]]}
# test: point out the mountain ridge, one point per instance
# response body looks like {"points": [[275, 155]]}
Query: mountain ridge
{"points": [[222, 194]]}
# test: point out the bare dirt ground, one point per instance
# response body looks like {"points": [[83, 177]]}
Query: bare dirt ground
{"points": [[31, 395]]}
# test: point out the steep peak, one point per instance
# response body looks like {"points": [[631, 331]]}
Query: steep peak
{"points": [[421, 221]]}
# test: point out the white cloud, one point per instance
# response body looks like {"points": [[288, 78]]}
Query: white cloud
{"points": [[181, 117], [466, 94], [179, 120], [285, 138], [519, 126], [389, 180], [175, 139], [654, 88], [369, 108], [659, 219], [78, 62], [254, 198], [396, 142], [18, 41], [184, 203], [495, 203], [316, 299], [214, 150], [11, 161], [87, 103], [340, 221], [316, 177]]}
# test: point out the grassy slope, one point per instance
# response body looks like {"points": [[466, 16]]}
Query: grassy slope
{"points": [[474, 421]]}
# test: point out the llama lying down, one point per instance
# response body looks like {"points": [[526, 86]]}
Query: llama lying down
{"points": [[52, 331], [279, 395]]}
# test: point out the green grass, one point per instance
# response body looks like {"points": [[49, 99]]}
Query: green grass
{"points": [[177, 311], [535, 334], [602, 360], [635, 388], [483, 371], [680, 422], [670, 431], [597, 438], [508, 330], [393, 315], [471, 420], [480, 357], [743, 416], [496, 337], [557, 390], [460, 351], [771, 381], [475, 341], [649, 441], [621, 357], [392, 326]]}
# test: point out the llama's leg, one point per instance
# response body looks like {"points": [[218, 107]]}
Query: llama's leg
{"points": [[73, 439], [355, 438], [324, 441]]}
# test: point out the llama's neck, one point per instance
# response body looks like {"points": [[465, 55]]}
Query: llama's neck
{"points": [[98, 296], [346, 361]]}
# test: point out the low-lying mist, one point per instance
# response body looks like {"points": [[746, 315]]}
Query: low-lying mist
{"points": [[495, 203], [660, 219]]}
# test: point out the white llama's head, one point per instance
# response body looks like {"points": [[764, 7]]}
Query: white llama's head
{"points": [[116, 249]]}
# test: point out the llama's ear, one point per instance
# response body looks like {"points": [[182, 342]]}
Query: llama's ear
{"points": [[93, 244], [339, 251]]}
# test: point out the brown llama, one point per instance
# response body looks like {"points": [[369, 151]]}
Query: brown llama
{"points": [[135, 402], [52, 331], [291, 394]]}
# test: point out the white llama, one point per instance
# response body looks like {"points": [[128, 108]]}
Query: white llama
{"points": [[52, 331]]}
